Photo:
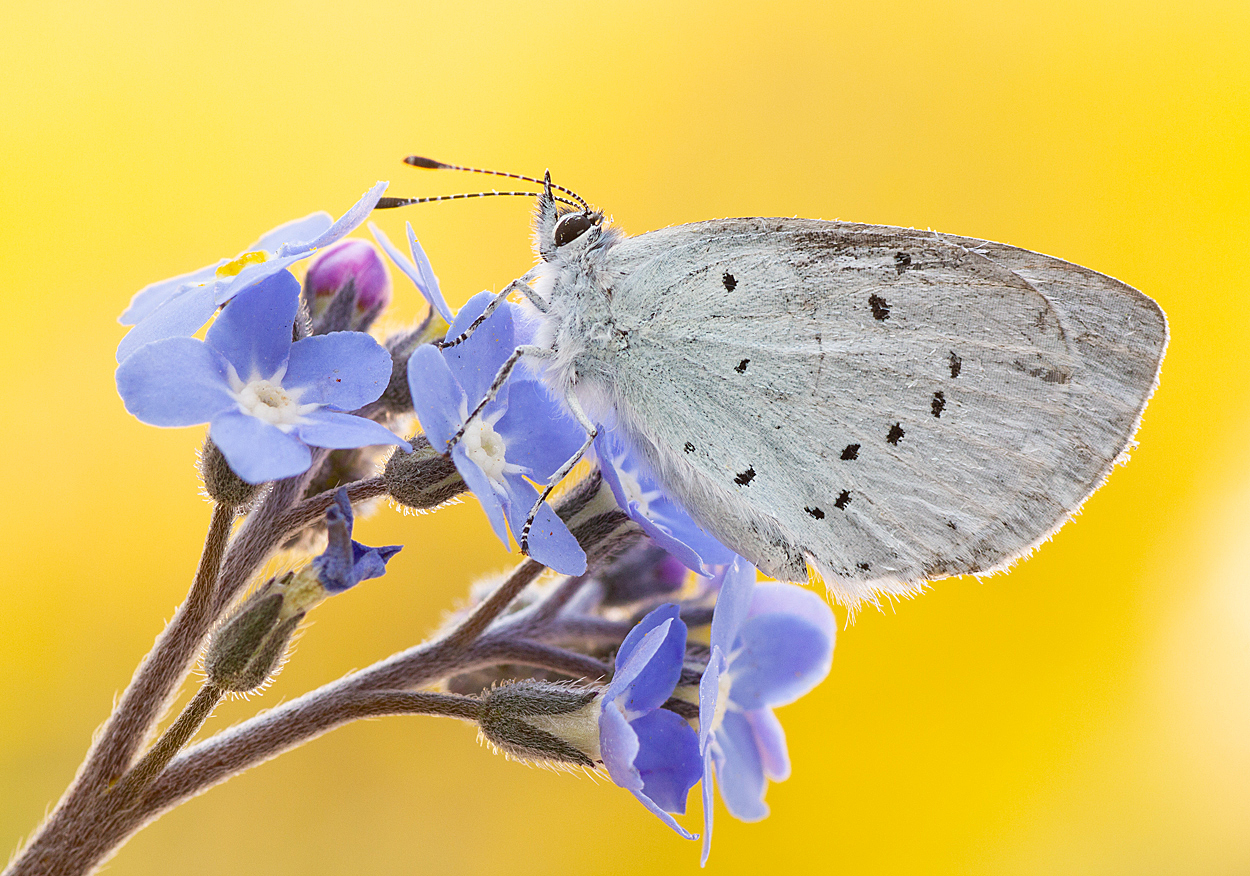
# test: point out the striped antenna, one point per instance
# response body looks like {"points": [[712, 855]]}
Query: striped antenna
{"points": [[390, 203], [431, 164]]}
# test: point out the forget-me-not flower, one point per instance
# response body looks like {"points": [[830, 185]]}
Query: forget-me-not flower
{"points": [[179, 306], [522, 435], [770, 644], [345, 561], [647, 749], [642, 497], [265, 398], [421, 273]]}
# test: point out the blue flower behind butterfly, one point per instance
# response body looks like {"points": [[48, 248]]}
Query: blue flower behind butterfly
{"points": [[642, 497], [770, 644], [520, 438]]}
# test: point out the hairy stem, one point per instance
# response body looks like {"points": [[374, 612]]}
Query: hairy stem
{"points": [[173, 740]]}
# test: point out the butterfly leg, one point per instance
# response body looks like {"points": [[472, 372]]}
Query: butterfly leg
{"points": [[575, 408], [501, 377], [518, 285]]}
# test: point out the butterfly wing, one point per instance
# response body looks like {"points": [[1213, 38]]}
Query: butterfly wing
{"points": [[888, 405]]}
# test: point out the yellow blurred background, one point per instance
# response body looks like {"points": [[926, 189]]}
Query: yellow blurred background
{"points": [[1088, 713]]}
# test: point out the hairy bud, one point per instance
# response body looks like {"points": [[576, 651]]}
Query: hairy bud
{"points": [[422, 479], [220, 482], [537, 721]]}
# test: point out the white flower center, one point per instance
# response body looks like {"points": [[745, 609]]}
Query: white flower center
{"points": [[485, 448], [724, 683], [268, 400], [635, 493]]}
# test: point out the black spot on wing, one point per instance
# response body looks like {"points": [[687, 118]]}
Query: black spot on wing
{"points": [[746, 477], [880, 309], [850, 451], [902, 261], [956, 364], [689, 448], [729, 281], [844, 499], [742, 366], [815, 512], [864, 567], [896, 434], [938, 404]]}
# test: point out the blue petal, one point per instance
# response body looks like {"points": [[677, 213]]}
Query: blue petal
{"points": [[430, 289], [252, 275], [664, 816], [708, 806], [295, 233], [351, 219], [476, 361], [324, 428], [370, 562], [484, 488], [413, 272], [433, 294], [664, 519], [550, 541], [618, 746], [654, 682], [776, 659], [175, 382], [539, 435], [773, 597], [668, 758], [638, 650], [709, 693], [256, 450], [634, 638], [181, 316], [437, 399], [254, 331], [741, 774], [732, 604], [345, 370], [146, 300], [770, 739]]}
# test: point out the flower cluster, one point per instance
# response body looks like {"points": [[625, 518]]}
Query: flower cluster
{"points": [[282, 371]]}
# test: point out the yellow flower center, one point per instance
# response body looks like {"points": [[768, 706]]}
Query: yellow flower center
{"points": [[232, 269]]}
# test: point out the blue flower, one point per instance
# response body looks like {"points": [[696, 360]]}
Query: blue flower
{"points": [[771, 643], [346, 562], [641, 497], [179, 307], [421, 274], [521, 436], [266, 399], [649, 750]]}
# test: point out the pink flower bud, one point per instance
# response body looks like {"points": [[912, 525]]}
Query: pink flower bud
{"points": [[349, 261]]}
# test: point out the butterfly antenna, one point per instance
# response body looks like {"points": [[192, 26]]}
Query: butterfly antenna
{"points": [[391, 203], [431, 164]]}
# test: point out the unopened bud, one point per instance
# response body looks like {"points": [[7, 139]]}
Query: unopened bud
{"points": [[422, 479], [220, 481], [646, 571], [537, 721], [247, 649], [346, 287]]}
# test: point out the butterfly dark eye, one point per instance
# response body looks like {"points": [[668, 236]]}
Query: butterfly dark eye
{"points": [[571, 226]]}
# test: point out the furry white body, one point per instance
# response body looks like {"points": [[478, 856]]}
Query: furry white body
{"points": [[887, 405]]}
